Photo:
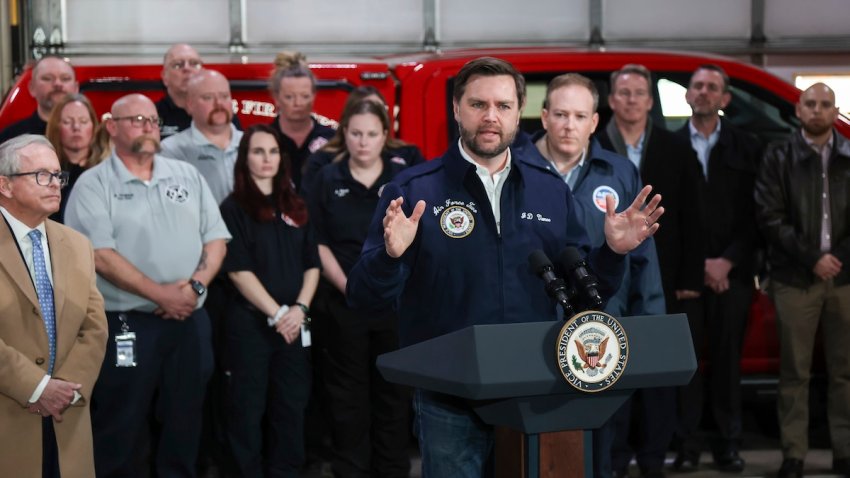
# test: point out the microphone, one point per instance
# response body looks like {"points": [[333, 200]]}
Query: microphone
{"points": [[556, 287], [580, 276]]}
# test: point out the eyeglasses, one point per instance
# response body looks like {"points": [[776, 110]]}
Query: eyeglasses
{"points": [[140, 120], [44, 178], [180, 64]]}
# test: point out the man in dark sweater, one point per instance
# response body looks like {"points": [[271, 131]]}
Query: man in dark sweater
{"points": [[52, 78]]}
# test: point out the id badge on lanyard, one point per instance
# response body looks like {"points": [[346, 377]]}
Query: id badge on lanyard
{"points": [[125, 345]]}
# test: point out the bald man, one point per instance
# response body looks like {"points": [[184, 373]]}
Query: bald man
{"points": [[180, 63], [158, 241], [52, 79], [803, 209], [211, 142]]}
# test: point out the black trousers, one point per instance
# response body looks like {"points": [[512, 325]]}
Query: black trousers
{"points": [[723, 323], [166, 386], [49, 450], [369, 416], [266, 394], [643, 427]]}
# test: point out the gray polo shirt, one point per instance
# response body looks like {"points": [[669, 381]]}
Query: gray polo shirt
{"points": [[214, 163], [159, 226]]}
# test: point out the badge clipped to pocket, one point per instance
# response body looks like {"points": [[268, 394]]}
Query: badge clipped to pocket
{"points": [[125, 345], [306, 338]]}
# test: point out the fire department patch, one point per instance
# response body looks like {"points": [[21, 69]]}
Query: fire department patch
{"points": [[177, 193], [592, 351], [599, 197], [457, 222]]}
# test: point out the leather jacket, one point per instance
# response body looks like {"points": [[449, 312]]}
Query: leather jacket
{"points": [[788, 208]]}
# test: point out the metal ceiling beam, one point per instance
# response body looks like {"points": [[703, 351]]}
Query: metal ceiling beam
{"points": [[238, 25], [46, 26], [431, 24]]}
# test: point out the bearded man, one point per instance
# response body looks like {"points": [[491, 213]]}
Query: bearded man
{"points": [[803, 210], [158, 240]]}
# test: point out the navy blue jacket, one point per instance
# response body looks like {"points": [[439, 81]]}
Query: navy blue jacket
{"points": [[606, 172], [444, 283]]}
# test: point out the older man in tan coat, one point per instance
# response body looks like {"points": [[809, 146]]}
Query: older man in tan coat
{"points": [[53, 327]]}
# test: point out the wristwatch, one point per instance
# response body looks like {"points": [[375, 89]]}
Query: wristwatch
{"points": [[197, 287]]}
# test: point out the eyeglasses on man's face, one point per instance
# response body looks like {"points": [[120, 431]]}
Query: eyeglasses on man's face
{"points": [[140, 120], [44, 178], [191, 64]]}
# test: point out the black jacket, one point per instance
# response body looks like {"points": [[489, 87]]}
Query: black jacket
{"points": [[32, 124], [672, 168], [788, 201], [730, 229]]}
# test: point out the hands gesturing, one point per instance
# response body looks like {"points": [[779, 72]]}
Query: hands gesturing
{"points": [[400, 230], [626, 230]]}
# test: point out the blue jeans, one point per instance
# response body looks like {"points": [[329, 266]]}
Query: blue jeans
{"points": [[453, 441]]}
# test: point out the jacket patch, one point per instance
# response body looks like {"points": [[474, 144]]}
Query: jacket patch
{"points": [[599, 197], [457, 222]]}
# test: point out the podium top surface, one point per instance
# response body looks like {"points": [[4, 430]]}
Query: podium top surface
{"points": [[500, 361]]}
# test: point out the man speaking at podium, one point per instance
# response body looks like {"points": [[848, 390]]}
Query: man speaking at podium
{"points": [[449, 242]]}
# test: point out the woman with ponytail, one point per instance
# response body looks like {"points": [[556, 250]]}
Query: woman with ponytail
{"points": [[293, 90]]}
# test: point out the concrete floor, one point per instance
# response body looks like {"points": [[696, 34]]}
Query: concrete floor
{"points": [[760, 464]]}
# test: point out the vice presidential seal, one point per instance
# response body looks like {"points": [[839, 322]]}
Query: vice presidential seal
{"points": [[457, 221], [592, 351]]}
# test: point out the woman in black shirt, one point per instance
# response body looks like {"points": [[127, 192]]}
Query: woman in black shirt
{"points": [[273, 262], [368, 414], [293, 89], [72, 129], [401, 152]]}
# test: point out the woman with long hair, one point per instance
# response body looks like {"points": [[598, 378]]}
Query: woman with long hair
{"points": [[273, 263], [71, 129], [368, 414], [293, 89]]}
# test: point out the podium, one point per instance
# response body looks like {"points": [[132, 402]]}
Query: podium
{"points": [[510, 373]]}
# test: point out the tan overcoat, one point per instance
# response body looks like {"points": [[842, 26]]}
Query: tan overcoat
{"points": [[81, 335]]}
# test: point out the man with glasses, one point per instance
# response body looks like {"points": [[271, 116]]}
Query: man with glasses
{"points": [[211, 142], [159, 240], [52, 79], [670, 165], [181, 61], [54, 331]]}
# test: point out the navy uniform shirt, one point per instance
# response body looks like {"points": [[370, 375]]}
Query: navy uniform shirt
{"points": [[277, 252], [460, 271], [32, 125], [407, 155], [318, 137], [342, 208]]}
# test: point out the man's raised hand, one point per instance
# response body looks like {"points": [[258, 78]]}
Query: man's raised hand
{"points": [[625, 231], [400, 230]]}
